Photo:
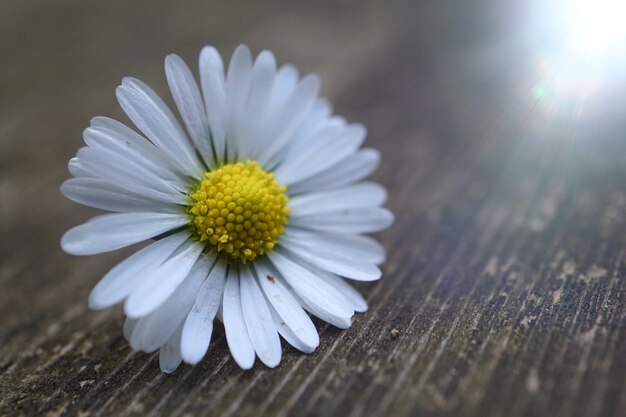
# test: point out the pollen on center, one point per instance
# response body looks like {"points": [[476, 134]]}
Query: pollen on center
{"points": [[240, 209]]}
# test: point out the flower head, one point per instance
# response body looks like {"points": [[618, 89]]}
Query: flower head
{"points": [[256, 207], [240, 209]]}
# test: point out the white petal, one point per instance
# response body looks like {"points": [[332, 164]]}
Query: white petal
{"points": [[131, 165], [152, 116], [199, 322], [125, 276], [359, 303], [129, 328], [169, 356], [305, 145], [80, 171], [360, 270], [318, 118], [288, 334], [154, 329], [322, 299], [289, 116], [361, 195], [337, 321], [286, 81], [114, 231], [354, 247], [236, 332], [255, 111], [350, 256], [286, 306], [77, 168], [109, 166], [213, 91], [155, 289], [331, 147], [237, 87], [135, 149], [258, 319], [354, 221], [353, 168], [102, 194], [120, 132], [188, 100]]}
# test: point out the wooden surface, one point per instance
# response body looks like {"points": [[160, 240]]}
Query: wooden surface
{"points": [[505, 288]]}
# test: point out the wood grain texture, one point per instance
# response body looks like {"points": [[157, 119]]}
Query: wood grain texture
{"points": [[505, 288]]}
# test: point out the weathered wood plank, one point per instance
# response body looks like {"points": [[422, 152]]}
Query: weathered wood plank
{"points": [[504, 292]]}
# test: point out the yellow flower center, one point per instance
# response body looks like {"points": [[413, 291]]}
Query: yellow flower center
{"points": [[240, 209]]}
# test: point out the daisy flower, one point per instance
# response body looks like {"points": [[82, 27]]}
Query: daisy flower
{"points": [[255, 209]]}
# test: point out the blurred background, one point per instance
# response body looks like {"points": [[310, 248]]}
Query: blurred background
{"points": [[502, 126]]}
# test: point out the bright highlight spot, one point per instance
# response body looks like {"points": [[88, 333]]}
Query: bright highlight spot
{"points": [[594, 30], [579, 57], [240, 209], [599, 25]]}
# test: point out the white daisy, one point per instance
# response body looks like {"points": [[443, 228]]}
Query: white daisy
{"points": [[256, 206]]}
